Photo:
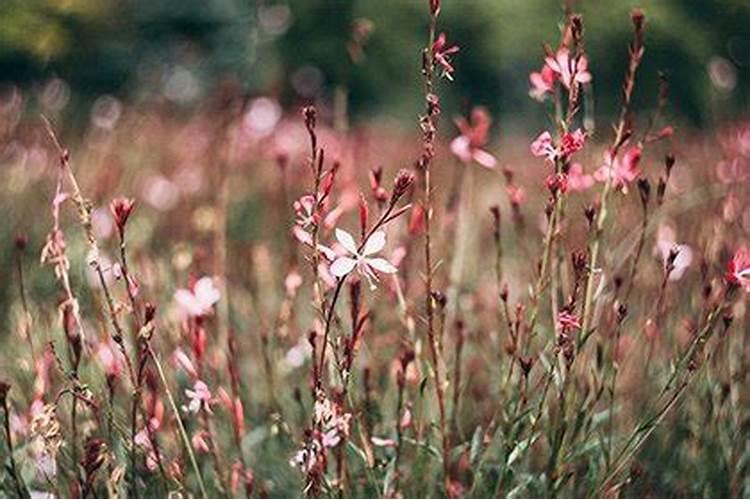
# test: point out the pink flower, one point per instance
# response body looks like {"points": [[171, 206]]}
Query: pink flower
{"points": [[200, 397], [365, 264], [577, 179], [108, 358], [183, 361], [200, 442], [738, 270], [570, 70], [468, 146], [620, 172], [516, 195], [570, 143], [305, 210], [441, 53], [200, 300], [542, 82], [544, 148]]}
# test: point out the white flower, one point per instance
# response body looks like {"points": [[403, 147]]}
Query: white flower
{"points": [[363, 262], [200, 397], [199, 300], [665, 244]]}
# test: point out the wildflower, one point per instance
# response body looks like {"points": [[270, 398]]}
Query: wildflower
{"points": [[181, 359], [570, 143], [200, 441], [569, 70], [108, 358], [516, 195], [200, 300], [441, 53], [143, 440], [542, 82], [365, 264], [307, 215], [738, 270], [577, 179], [666, 245], [200, 397], [468, 146], [620, 172], [543, 147], [121, 209]]}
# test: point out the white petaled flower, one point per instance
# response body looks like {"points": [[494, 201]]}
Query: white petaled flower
{"points": [[362, 261], [200, 397], [200, 300]]}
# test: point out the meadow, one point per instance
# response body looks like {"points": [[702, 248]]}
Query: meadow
{"points": [[250, 299]]}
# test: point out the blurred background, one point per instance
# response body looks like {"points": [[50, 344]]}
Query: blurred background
{"points": [[364, 53]]}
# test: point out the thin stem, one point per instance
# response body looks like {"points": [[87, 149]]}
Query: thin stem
{"points": [[181, 427]]}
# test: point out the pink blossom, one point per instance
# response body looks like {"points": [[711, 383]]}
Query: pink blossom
{"points": [[107, 356], [577, 179], [200, 442], [570, 143], [365, 264], [738, 270], [182, 360], [570, 70], [543, 147], [441, 53], [200, 300], [542, 82], [468, 146], [305, 209], [620, 172], [200, 397]]}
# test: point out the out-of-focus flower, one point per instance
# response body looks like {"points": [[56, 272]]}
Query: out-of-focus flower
{"points": [[121, 209], [542, 82], [383, 442], [107, 356], [468, 146], [182, 360], [738, 270], [577, 179], [200, 300], [665, 245], [516, 194], [200, 397], [363, 262], [620, 172], [441, 53], [200, 441], [570, 70]]}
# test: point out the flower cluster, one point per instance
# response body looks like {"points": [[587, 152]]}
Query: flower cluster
{"points": [[569, 70]]}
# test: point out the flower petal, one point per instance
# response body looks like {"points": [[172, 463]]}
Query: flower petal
{"points": [[375, 243], [342, 266], [346, 241], [381, 265], [484, 158]]}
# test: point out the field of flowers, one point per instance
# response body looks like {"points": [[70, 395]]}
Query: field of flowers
{"points": [[251, 301]]}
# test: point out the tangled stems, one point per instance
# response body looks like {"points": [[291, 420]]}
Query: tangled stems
{"points": [[684, 366], [621, 135], [181, 427]]}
